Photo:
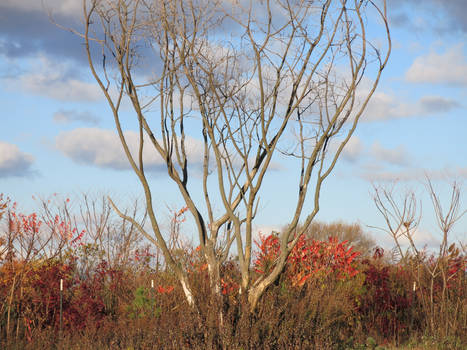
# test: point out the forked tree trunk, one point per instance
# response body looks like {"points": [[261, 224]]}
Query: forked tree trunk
{"points": [[254, 294], [187, 291], [215, 284]]}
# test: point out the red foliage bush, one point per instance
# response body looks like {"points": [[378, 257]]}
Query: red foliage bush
{"points": [[38, 292], [308, 258], [388, 299]]}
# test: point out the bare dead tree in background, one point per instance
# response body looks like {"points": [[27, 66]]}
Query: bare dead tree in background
{"points": [[238, 80], [402, 218], [118, 237]]}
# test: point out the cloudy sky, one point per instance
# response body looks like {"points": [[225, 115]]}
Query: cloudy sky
{"points": [[57, 136]]}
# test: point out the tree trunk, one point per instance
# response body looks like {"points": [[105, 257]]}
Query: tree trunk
{"points": [[215, 284], [187, 291]]}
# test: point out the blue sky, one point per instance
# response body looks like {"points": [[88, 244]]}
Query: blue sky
{"points": [[55, 134]]}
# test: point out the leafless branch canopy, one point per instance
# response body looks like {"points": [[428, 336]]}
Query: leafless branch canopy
{"points": [[223, 90]]}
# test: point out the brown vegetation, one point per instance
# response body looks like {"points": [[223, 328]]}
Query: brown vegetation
{"points": [[346, 301]]}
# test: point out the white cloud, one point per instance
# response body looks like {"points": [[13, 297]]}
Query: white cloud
{"points": [[55, 80], [102, 148], [436, 104], [396, 156], [353, 150], [390, 176], [421, 238], [414, 174], [449, 68], [71, 8], [63, 116], [14, 162], [444, 17], [373, 158], [384, 106]]}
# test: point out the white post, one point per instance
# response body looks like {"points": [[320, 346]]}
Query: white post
{"points": [[153, 299], [61, 305]]}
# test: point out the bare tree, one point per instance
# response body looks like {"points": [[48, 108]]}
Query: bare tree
{"points": [[117, 237], [402, 217], [247, 83], [431, 273]]}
